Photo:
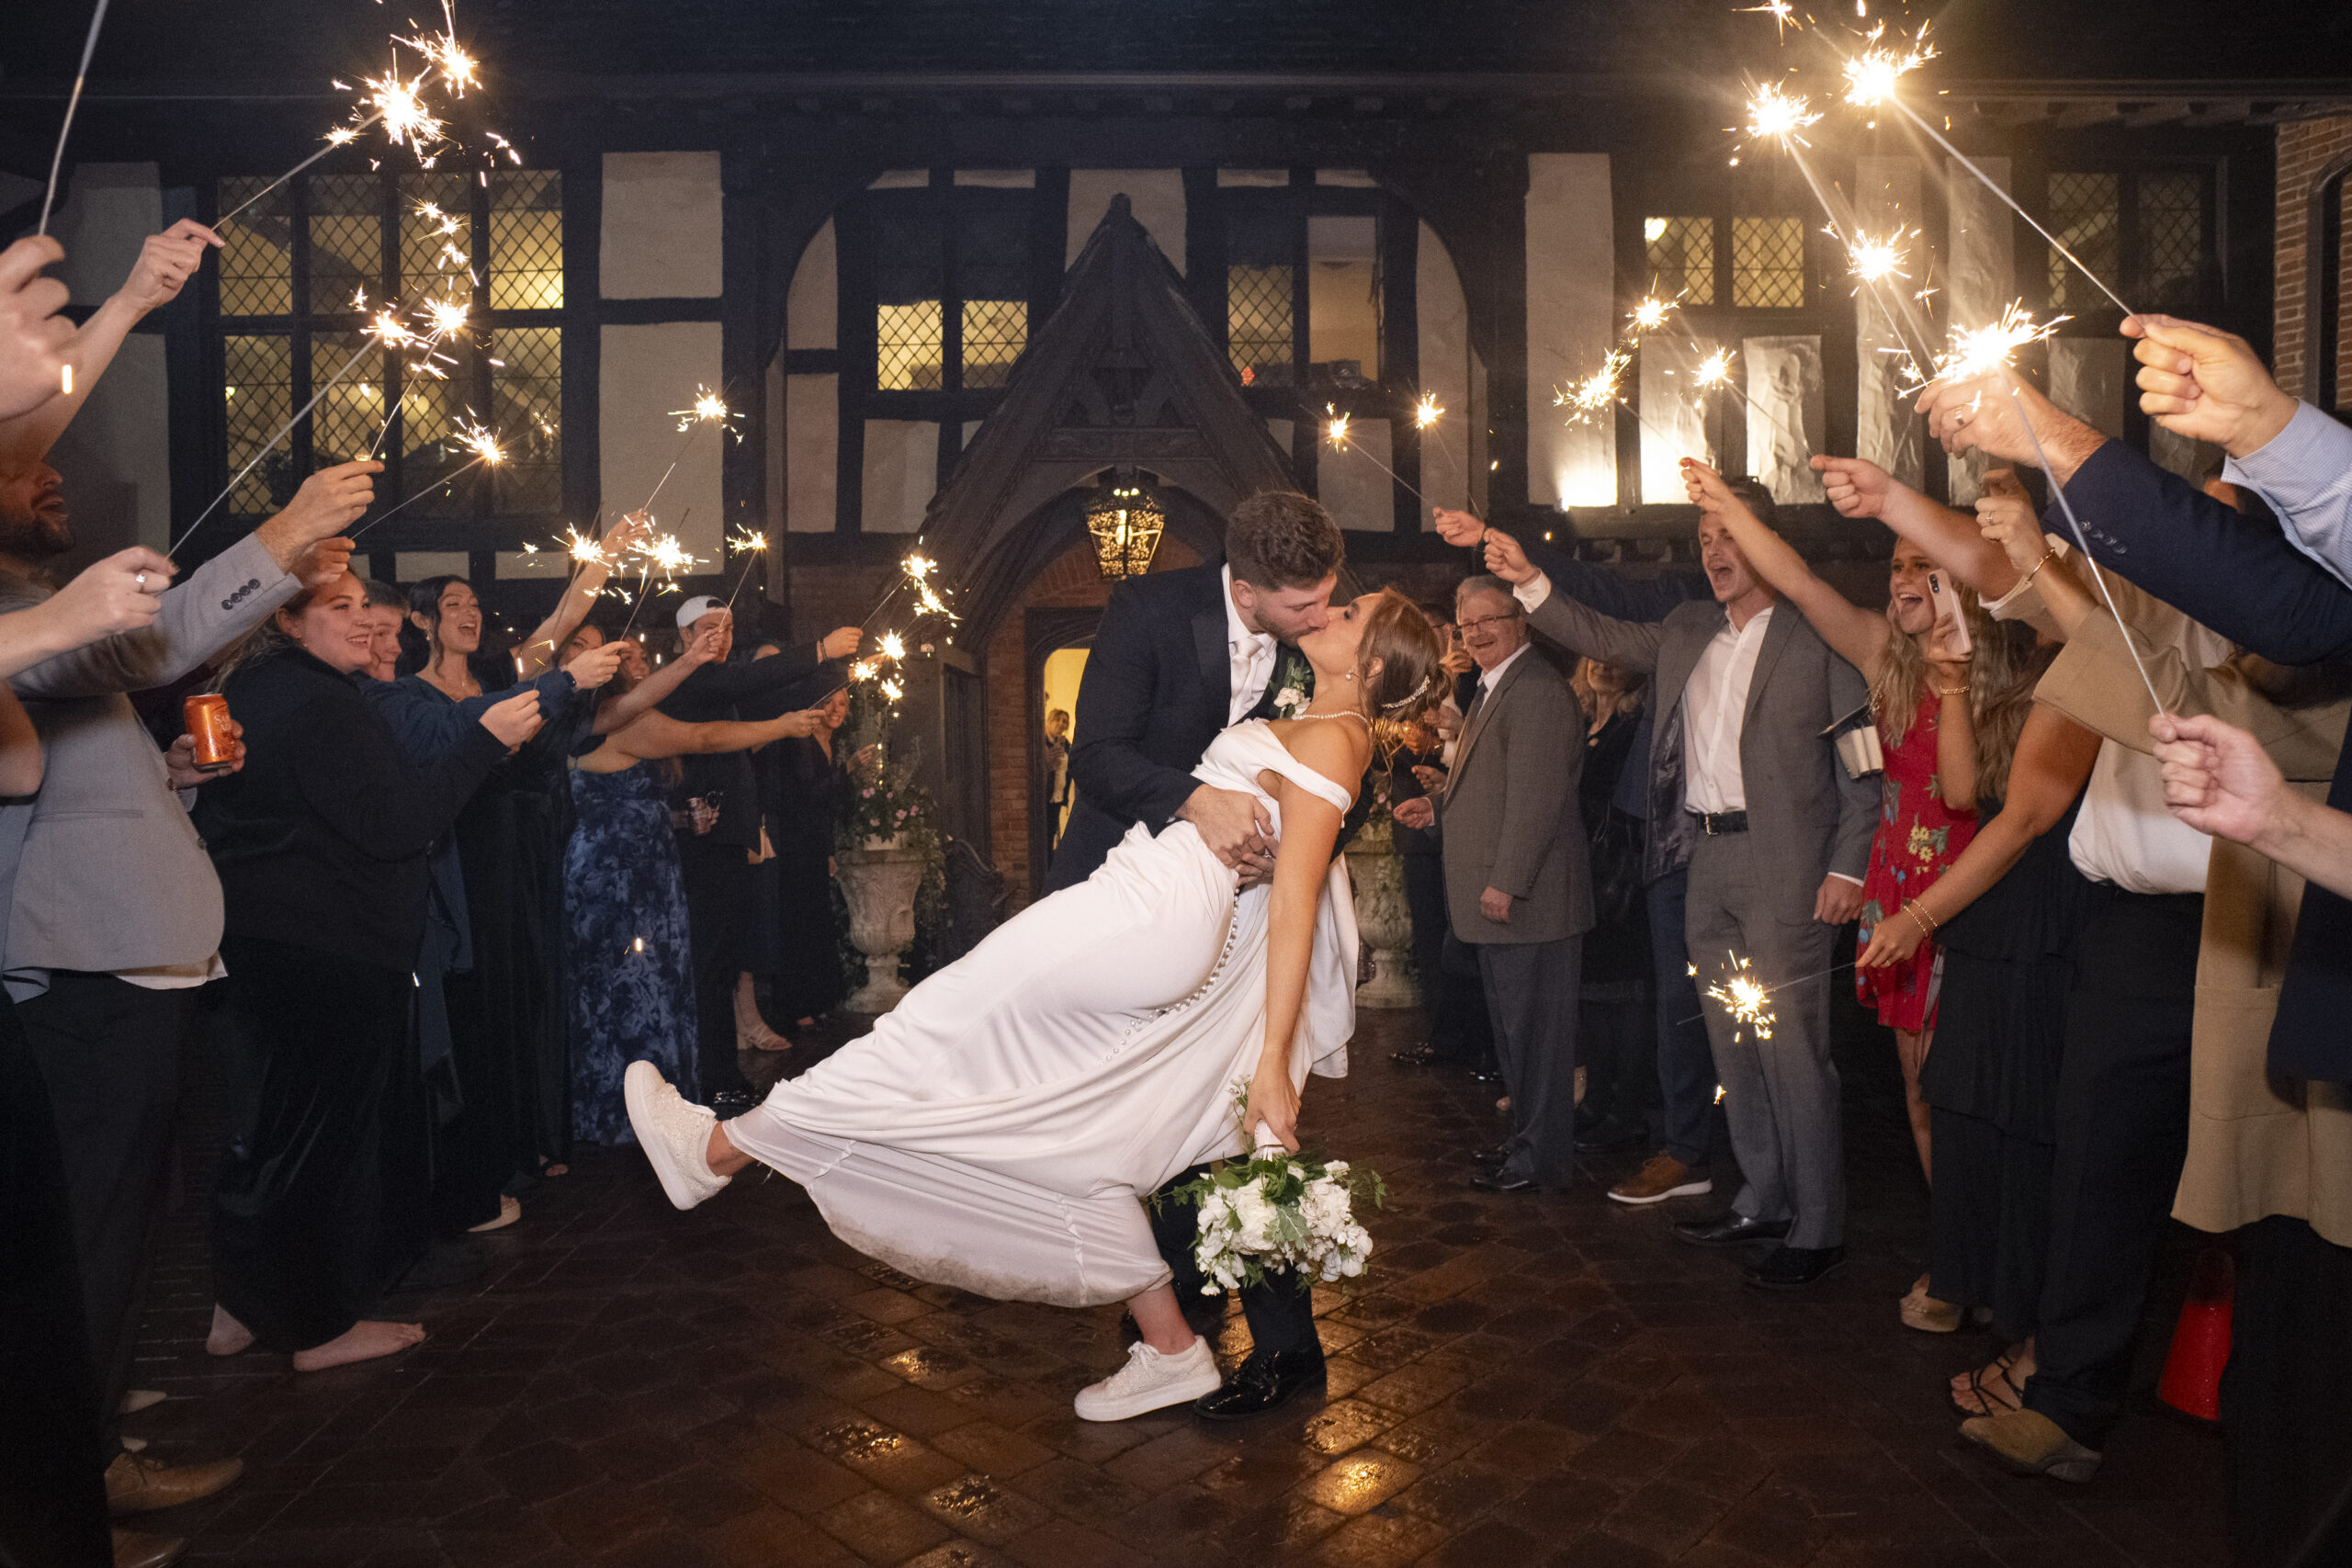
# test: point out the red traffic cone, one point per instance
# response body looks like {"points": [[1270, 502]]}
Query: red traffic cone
{"points": [[2200, 1343]]}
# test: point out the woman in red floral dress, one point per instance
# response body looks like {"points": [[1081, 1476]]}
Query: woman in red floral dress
{"points": [[1925, 693]]}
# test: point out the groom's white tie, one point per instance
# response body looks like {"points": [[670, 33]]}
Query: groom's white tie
{"points": [[1253, 666]]}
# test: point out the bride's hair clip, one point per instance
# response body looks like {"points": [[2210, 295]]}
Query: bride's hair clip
{"points": [[1427, 689]]}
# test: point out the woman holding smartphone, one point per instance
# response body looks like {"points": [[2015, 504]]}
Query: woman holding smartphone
{"points": [[1933, 676]]}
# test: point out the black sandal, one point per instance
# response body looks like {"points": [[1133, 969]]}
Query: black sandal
{"points": [[1989, 1402]]}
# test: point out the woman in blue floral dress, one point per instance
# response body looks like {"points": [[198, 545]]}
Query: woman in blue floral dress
{"points": [[625, 906]]}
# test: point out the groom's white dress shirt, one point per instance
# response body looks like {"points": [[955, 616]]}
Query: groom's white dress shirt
{"points": [[1251, 655]]}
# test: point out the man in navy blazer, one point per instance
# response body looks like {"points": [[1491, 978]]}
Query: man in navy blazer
{"points": [[1181, 655], [2290, 1453]]}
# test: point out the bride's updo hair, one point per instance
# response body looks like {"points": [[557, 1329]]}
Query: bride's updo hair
{"points": [[1411, 679]]}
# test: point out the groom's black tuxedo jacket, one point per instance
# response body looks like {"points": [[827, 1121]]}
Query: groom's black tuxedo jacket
{"points": [[1159, 683]]}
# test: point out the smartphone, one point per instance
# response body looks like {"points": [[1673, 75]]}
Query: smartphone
{"points": [[1947, 604]]}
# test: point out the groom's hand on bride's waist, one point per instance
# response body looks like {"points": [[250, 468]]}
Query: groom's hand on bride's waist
{"points": [[1236, 827]]}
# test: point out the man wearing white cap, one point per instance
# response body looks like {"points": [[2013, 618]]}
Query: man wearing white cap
{"points": [[716, 857]]}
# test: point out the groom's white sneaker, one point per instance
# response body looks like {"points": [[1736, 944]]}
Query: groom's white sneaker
{"points": [[673, 1135], [1150, 1382]]}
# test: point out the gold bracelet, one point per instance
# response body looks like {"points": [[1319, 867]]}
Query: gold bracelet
{"points": [[1952, 691], [1927, 922], [2047, 556]]}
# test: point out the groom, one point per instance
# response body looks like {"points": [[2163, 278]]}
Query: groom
{"points": [[1181, 655]]}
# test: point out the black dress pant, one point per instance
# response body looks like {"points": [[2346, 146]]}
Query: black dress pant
{"points": [[719, 886], [329, 1201], [2282, 1398], [1281, 1312], [1532, 992], [52, 1449], [109, 1052], [2122, 1129]]}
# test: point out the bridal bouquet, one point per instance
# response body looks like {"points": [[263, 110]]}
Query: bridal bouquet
{"points": [[1278, 1210]]}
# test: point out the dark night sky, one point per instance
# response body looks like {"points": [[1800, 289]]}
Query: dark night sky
{"points": [[264, 39]]}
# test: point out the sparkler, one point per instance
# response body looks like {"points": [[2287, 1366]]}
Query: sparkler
{"points": [[1875, 77], [472, 436], [73, 102], [1783, 12], [1748, 1000], [1775, 116], [1335, 430], [1426, 411], [661, 553], [1647, 315], [747, 544], [397, 103], [388, 331], [709, 408]]}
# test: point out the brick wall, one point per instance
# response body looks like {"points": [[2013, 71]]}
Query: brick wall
{"points": [[2306, 148]]}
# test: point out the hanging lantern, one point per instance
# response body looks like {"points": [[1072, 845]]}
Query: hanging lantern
{"points": [[1125, 521]]}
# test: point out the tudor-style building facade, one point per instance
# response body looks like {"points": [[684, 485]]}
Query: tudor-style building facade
{"points": [[945, 298]]}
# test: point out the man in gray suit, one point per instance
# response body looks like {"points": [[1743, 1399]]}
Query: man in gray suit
{"points": [[1777, 836], [1517, 883], [112, 912]]}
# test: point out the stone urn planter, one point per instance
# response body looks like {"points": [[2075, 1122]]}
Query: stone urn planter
{"points": [[879, 882], [1385, 924]]}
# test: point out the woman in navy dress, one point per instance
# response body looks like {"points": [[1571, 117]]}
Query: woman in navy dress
{"points": [[630, 971]]}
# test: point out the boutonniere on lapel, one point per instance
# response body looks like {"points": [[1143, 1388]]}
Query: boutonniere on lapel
{"points": [[1293, 684]]}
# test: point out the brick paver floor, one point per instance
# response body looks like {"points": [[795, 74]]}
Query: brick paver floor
{"points": [[1516, 1381]]}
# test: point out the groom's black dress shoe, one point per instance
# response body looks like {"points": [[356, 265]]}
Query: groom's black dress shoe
{"points": [[1729, 1230], [1795, 1267], [1496, 1181], [1419, 1055], [1262, 1383], [1492, 1157]]}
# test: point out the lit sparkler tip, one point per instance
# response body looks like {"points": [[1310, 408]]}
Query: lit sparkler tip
{"points": [[1335, 427], [919, 568], [479, 440], [583, 550], [746, 542], [1597, 391], [1714, 370], [1873, 260], [1772, 113], [1426, 412], [1649, 313], [1783, 12], [891, 646], [1875, 76], [1980, 351], [709, 408]]}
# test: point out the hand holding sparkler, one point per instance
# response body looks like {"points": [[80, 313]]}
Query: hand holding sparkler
{"points": [[34, 338], [1856, 487], [1458, 528], [2219, 781], [840, 642], [166, 261], [2006, 515], [597, 665], [328, 501], [2206, 384], [1506, 558], [1990, 414]]}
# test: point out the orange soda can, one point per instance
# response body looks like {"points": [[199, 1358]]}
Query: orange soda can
{"points": [[208, 720]]}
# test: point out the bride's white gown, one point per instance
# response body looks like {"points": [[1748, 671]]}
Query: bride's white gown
{"points": [[997, 1131]]}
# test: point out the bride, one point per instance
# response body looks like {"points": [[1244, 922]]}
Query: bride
{"points": [[995, 1133]]}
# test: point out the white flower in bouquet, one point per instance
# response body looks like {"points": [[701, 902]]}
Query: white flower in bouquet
{"points": [[1278, 1212]]}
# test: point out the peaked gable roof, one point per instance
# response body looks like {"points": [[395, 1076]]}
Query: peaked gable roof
{"points": [[1123, 372]]}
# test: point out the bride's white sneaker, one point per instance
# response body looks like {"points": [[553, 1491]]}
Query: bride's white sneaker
{"points": [[1151, 1381], [672, 1133]]}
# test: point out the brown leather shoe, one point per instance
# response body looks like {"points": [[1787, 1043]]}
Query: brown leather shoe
{"points": [[132, 1549], [136, 1485], [1664, 1177]]}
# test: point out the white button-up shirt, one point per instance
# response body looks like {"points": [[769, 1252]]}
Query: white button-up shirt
{"points": [[1715, 708], [1251, 655]]}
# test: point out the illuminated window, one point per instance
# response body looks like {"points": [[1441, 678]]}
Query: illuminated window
{"points": [[1303, 288], [2146, 232], [302, 269], [1681, 256], [1767, 263], [951, 306]]}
